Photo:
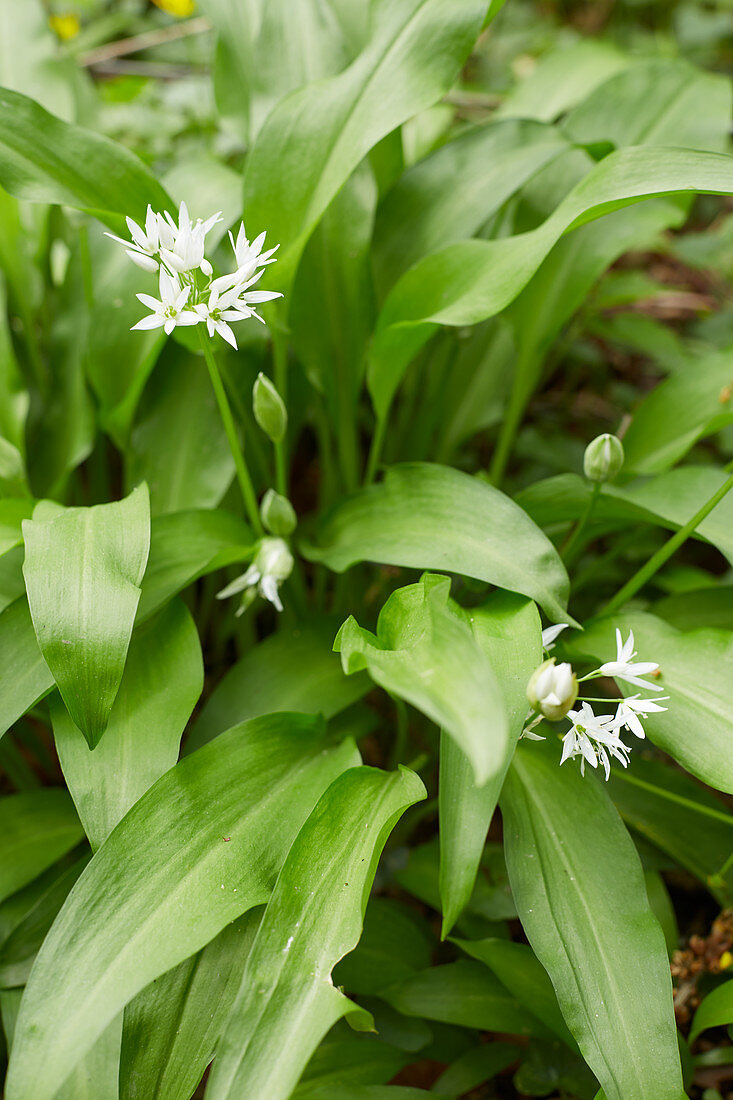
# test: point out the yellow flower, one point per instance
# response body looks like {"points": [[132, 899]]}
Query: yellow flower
{"points": [[66, 26], [180, 8]]}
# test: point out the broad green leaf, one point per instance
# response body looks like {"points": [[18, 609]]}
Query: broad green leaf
{"points": [[332, 308], [184, 546], [161, 683], [661, 906], [420, 214], [314, 139], [61, 434], [291, 670], [346, 1060], [507, 629], [24, 675], [94, 1078], [716, 1010], [287, 1001], [394, 944], [709, 606], [37, 828], [269, 48], [176, 445], [12, 514], [680, 817], [663, 101], [424, 651], [695, 670], [563, 78], [473, 280], [41, 901], [668, 500], [466, 994], [601, 946], [171, 1029], [83, 570], [691, 404], [43, 159], [432, 517], [477, 1065], [200, 848], [517, 968]]}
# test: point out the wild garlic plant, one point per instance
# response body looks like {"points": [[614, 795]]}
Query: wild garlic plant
{"points": [[284, 511]]}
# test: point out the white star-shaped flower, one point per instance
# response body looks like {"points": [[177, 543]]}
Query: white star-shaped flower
{"points": [[629, 710], [625, 668], [145, 245], [593, 737], [169, 311]]}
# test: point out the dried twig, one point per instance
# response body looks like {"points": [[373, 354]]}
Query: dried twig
{"points": [[144, 41]]}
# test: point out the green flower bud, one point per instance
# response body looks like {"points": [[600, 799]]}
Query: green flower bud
{"points": [[552, 689], [604, 457], [278, 514], [269, 408]]}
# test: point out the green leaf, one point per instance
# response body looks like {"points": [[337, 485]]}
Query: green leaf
{"points": [[432, 517], [177, 446], [518, 969], [695, 670], [83, 570], [420, 214], [24, 675], [313, 140], [507, 629], [161, 683], [716, 1010], [171, 1029], [679, 816], [601, 946], [287, 1001], [291, 670], [37, 828], [200, 848], [678, 412], [185, 546], [424, 651], [347, 1059], [662, 101], [466, 994], [477, 1065], [561, 78], [473, 280], [394, 944], [43, 159], [41, 901]]}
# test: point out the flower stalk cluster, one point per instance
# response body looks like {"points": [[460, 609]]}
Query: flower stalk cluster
{"points": [[594, 738], [189, 295]]}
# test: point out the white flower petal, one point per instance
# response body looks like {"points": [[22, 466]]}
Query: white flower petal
{"points": [[155, 320], [147, 263]]}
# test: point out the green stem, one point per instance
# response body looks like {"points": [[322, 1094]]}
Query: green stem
{"points": [[573, 545], [280, 355], [245, 482], [665, 552], [375, 450]]}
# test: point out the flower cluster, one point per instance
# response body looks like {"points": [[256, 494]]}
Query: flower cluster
{"points": [[552, 692], [188, 293]]}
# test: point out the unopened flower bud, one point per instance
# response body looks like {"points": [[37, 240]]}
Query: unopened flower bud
{"points": [[552, 689], [278, 514], [604, 457], [269, 408]]}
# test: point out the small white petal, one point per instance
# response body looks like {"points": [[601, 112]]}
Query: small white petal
{"points": [[224, 331], [147, 263], [155, 320]]}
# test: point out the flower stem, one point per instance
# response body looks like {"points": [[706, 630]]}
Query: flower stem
{"points": [[375, 451], [665, 552], [573, 545], [245, 481], [280, 356]]}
